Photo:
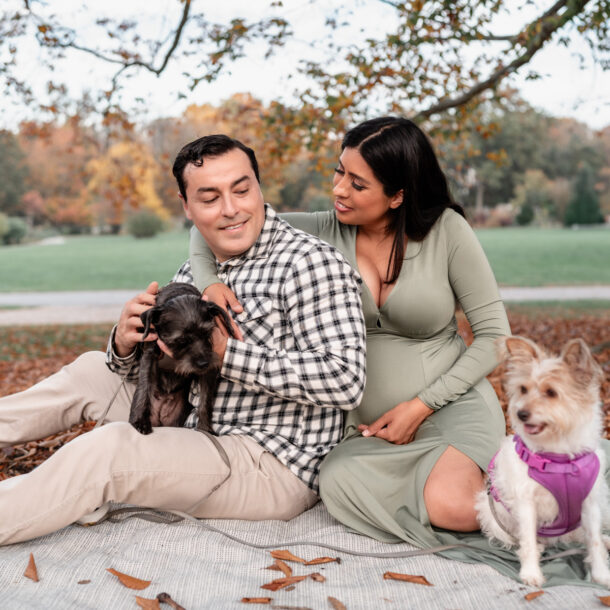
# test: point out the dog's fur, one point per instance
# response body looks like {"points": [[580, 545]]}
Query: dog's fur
{"points": [[185, 324], [554, 406]]}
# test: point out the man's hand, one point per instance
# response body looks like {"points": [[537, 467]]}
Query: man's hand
{"points": [[224, 297], [127, 335], [399, 424]]}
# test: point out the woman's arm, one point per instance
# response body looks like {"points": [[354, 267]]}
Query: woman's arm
{"points": [[475, 287]]}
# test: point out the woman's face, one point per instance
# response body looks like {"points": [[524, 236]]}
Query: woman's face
{"points": [[359, 196]]}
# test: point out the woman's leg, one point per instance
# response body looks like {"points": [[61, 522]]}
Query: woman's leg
{"points": [[450, 492]]}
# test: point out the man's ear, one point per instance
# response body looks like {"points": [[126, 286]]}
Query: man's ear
{"points": [[397, 200], [185, 206]]}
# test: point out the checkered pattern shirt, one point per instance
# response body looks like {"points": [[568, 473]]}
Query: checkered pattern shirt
{"points": [[302, 361]]}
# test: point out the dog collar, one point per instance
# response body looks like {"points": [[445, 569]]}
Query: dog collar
{"points": [[569, 479]]}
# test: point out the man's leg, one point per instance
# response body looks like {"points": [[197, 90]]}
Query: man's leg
{"points": [[172, 468], [79, 391]]}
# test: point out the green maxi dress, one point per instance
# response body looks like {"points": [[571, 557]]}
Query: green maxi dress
{"points": [[413, 349]]}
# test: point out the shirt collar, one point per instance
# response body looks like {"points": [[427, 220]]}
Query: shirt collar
{"points": [[262, 246]]}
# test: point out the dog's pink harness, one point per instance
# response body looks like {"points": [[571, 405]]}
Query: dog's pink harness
{"points": [[569, 480]]}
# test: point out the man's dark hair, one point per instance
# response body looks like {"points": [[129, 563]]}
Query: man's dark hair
{"points": [[208, 146]]}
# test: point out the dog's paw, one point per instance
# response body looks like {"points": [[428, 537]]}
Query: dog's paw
{"points": [[142, 426], [601, 576], [532, 575]]}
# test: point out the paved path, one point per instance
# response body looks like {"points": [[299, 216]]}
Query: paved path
{"points": [[104, 306]]}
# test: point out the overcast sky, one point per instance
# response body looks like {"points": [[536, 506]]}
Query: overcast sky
{"points": [[565, 90]]}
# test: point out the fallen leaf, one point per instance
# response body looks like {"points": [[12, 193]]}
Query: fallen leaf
{"points": [[286, 556], [280, 583], [31, 571], [165, 598], [83, 582], [256, 600], [290, 588], [291, 608], [130, 581], [336, 604], [418, 580], [280, 566], [533, 595], [604, 600], [319, 560], [148, 604], [317, 577]]}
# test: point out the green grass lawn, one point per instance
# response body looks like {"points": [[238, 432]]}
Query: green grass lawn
{"points": [[544, 257], [519, 257], [93, 263]]}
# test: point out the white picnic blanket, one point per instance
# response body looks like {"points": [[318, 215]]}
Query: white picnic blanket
{"points": [[204, 569]]}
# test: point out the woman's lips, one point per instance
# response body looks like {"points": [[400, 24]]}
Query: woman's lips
{"points": [[340, 207]]}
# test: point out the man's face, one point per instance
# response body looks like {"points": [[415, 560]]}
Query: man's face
{"points": [[224, 201]]}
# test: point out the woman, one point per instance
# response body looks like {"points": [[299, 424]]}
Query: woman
{"points": [[415, 450]]}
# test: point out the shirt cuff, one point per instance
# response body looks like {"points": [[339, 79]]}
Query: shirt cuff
{"points": [[242, 362]]}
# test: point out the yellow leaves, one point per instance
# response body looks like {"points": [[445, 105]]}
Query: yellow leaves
{"points": [[418, 580], [31, 572], [130, 581]]}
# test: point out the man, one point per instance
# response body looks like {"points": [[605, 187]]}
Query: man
{"points": [[280, 400]]}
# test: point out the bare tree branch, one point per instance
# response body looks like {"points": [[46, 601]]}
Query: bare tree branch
{"points": [[547, 24]]}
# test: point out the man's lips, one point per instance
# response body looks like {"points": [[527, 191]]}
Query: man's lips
{"points": [[234, 226]]}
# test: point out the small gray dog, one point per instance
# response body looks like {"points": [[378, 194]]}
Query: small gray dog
{"points": [[185, 324]]}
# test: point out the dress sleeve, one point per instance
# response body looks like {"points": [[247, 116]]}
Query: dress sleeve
{"points": [[203, 262], [475, 288]]}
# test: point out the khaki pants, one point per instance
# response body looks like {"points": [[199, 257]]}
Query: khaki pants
{"points": [[172, 468]]}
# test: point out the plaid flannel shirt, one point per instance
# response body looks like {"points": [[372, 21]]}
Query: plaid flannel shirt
{"points": [[302, 361]]}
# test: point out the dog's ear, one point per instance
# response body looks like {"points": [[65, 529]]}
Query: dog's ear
{"points": [[150, 317], [582, 365], [519, 348], [218, 312]]}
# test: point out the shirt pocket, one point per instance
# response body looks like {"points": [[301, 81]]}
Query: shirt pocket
{"points": [[258, 320]]}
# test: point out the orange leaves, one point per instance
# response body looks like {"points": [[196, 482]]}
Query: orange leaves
{"points": [[533, 595], [286, 556], [335, 604], [31, 572], [418, 580], [256, 600], [148, 604], [280, 583], [130, 581], [605, 600]]}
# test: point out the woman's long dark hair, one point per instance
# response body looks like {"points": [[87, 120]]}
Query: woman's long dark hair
{"points": [[402, 158]]}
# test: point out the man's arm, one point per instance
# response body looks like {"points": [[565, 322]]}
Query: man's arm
{"points": [[321, 299]]}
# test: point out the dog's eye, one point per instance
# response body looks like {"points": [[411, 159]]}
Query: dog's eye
{"points": [[550, 392], [523, 389]]}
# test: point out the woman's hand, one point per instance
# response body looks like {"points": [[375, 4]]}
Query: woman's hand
{"points": [[399, 424], [224, 297]]}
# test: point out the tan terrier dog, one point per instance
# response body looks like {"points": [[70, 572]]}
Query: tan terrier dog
{"points": [[547, 483]]}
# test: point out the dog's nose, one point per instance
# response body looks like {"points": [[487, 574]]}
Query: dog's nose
{"points": [[201, 363], [523, 415]]}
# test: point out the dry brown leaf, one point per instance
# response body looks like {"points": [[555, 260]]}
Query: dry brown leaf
{"points": [[130, 581], [83, 582], [604, 600], [280, 566], [286, 556], [280, 583], [256, 600], [148, 604], [319, 560], [418, 580], [336, 604], [317, 577], [533, 595], [31, 571], [165, 598]]}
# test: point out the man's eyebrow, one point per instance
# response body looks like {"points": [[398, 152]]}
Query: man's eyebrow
{"points": [[214, 189]]}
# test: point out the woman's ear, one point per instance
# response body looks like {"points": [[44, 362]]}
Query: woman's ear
{"points": [[396, 200]]}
